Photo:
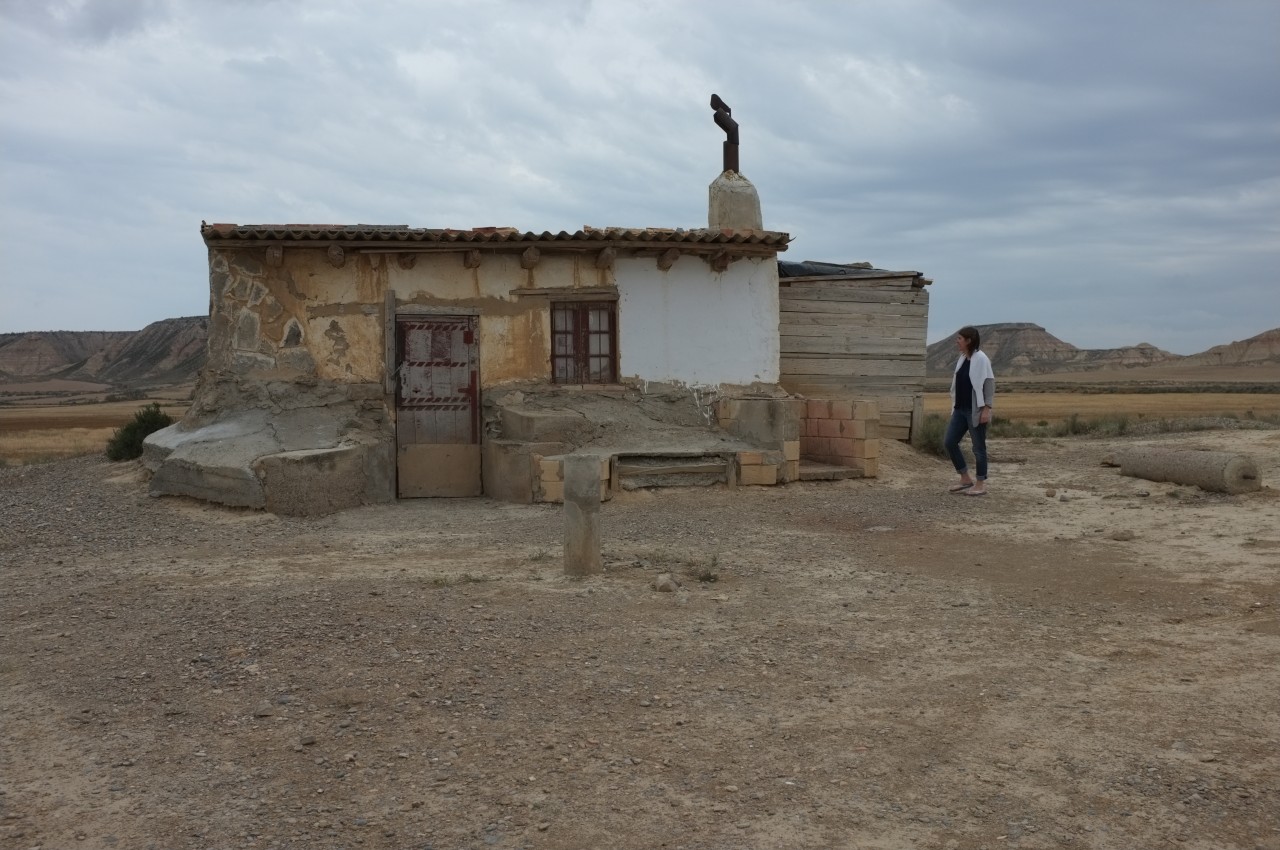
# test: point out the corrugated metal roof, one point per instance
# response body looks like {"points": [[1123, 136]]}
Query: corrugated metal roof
{"points": [[484, 235], [813, 268]]}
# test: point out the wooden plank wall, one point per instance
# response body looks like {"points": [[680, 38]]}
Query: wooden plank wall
{"points": [[857, 338]]}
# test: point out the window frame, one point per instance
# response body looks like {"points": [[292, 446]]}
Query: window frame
{"points": [[579, 361]]}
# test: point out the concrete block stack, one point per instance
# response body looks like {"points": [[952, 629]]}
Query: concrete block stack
{"points": [[842, 432], [773, 424]]}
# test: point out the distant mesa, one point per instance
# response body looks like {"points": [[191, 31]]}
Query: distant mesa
{"points": [[1263, 348], [171, 351], [1024, 349]]}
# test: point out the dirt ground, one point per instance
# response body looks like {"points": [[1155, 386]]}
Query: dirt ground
{"points": [[1077, 660]]}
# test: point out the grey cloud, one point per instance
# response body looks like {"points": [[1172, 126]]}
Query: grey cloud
{"points": [[1003, 148]]}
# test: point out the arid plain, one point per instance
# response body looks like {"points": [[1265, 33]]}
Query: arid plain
{"points": [[1079, 659]]}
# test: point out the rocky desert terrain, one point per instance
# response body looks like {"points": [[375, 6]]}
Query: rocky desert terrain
{"points": [[1078, 660]]}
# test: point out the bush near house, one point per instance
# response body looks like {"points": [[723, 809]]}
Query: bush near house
{"points": [[126, 442]]}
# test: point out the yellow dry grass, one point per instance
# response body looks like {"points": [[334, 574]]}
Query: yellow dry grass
{"points": [[1055, 407], [39, 434], [104, 415], [41, 445]]}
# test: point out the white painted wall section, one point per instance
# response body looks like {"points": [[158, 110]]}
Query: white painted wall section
{"points": [[696, 326]]}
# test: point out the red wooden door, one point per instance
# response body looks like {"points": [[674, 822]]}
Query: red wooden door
{"points": [[437, 406]]}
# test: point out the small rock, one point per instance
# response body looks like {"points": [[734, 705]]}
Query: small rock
{"points": [[264, 711], [666, 583], [1050, 493], [1121, 534], [1063, 498]]}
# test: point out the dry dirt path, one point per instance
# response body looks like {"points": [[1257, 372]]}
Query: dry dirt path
{"points": [[877, 665]]}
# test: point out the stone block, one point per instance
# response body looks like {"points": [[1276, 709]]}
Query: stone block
{"points": [[550, 469], [505, 473], [869, 467], [529, 425], [828, 427], [750, 458], [842, 446], [842, 409], [767, 421], [552, 491], [860, 429], [312, 482], [766, 475], [728, 408], [866, 410], [815, 446], [791, 450], [866, 448], [816, 408]]}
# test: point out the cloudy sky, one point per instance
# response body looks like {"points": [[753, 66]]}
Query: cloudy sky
{"points": [[1109, 169]]}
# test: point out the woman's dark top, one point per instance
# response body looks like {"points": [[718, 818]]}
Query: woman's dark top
{"points": [[964, 387]]}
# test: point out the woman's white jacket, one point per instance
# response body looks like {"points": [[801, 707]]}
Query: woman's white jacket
{"points": [[979, 373]]}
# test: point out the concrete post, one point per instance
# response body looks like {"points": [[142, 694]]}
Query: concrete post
{"points": [[582, 515], [733, 203]]}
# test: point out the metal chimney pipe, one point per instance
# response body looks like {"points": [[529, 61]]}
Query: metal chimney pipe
{"points": [[724, 120]]}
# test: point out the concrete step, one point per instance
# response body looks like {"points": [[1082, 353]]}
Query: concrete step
{"points": [[813, 471], [670, 469]]}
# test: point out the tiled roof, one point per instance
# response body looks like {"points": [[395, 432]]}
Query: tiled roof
{"points": [[483, 235]]}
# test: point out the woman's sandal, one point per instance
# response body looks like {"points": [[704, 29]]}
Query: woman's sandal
{"points": [[975, 492], [958, 488]]}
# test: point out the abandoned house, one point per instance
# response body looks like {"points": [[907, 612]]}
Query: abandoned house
{"points": [[355, 364]]}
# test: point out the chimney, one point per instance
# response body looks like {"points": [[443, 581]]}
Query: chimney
{"points": [[733, 202]]}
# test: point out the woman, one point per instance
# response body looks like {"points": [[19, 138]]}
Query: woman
{"points": [[973, 391]]}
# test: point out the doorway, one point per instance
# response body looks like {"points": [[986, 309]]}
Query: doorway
{"points": [[437, 407]]}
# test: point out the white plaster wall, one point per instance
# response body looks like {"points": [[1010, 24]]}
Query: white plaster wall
{"points": [[696, 326]]}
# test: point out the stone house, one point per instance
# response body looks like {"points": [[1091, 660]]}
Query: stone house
{"points": [[356, 364]]}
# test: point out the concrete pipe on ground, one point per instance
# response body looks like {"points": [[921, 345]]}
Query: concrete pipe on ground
{"points": [[1217, 472]]}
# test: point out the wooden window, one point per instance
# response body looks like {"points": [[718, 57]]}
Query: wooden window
{"points": [[584, 342]]}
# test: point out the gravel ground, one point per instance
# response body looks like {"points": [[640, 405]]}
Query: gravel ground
{"points": [[1076, 660]]}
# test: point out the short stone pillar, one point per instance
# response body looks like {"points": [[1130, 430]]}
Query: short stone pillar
{"points": [[582, 515], [733, 203]]}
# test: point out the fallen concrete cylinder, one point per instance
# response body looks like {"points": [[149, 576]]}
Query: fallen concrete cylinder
{"points": [[1217, 472]]}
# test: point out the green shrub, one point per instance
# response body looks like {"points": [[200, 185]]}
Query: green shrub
{"points": [[1111, 425], [1071, 426], [1007, 428], [928, 437], [126, 442]]}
